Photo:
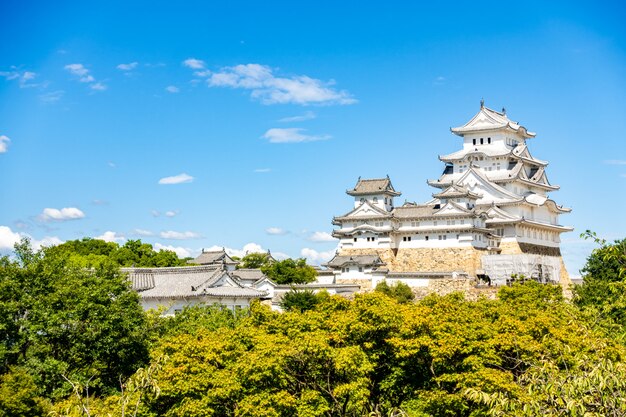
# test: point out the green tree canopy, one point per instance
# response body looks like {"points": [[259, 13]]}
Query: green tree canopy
{"points": [[290, 271], [255, 260], [60, 320], [399, 291]]}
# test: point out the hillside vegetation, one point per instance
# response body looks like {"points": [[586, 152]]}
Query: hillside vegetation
{"points": [[75, 342]]}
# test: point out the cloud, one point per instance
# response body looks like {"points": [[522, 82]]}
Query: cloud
{"points": [[291, 135], [171, 213], [315, 257], [179, 250], [194, 63], [127, 67], [615, 162], [322, 237], [155, 213], [84, 76], [142, 232], [276, 231], [98, 87], [67, 213], [170, 234], [22, 77], [111, 164], [176, 179], [110, 236], [247, 248], [4, 143], [309, 115], [262, 170], [270, 89], [9, 238], [52, 97], [172, 89], [440, 80]]}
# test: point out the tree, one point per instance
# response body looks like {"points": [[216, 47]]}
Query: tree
{"points": [[290, 271], [299, 300], [399, 291], [255, 260], [61, 320]]}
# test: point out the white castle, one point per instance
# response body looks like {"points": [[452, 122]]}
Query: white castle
{"points": [[489, 218]]}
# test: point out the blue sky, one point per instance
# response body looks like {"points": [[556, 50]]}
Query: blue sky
{"points": [[263, 114]]}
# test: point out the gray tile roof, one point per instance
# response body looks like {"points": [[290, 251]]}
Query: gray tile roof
{"points": [[248, 274], [212, 257], [373, 186], [188, 281], [362, 260]]}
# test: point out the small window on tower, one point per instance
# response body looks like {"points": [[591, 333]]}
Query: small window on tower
{"points": [[375, 199], [474, 141], [355, 239], [488, 140], [481, 141], [362, 200]]}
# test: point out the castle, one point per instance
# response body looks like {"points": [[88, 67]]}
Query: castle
{"points": [[490, 217]]}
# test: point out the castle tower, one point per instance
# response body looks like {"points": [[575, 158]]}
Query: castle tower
{"points": [[490, 217]]}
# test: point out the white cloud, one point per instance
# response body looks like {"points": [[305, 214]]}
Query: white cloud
{"points": [[171, 213], [309, 115], [8, 238], [262, 170], [4, 143], [67, 213], [172, 89], [98, 87], [615, 162], [269, 89], [194, 63], [110, 236], [275, 231], [22, 77], [170, 234], [52, 97], [84, 76], [176, 179], [143, 232], [322, 237], [127, 67], [155, 213], [179, 250], [291, 135], [315, 257]]}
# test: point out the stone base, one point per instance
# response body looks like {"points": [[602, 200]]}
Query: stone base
{"points": [[426, 259]]}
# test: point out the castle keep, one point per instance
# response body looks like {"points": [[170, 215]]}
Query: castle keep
{"points": [[490, 216]]}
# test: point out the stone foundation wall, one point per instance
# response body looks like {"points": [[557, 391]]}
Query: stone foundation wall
{"points": [[426, 259], [366, 284], [515, 248]]}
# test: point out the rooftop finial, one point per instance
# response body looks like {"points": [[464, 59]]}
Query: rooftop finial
{"points": [[503, 111], [482, 102]]}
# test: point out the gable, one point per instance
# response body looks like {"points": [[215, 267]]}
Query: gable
{"points": [[451, 209], [489, 191], [367, 210]]}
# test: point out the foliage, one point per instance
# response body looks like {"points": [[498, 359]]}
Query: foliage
{"points": [[59, 319], [255, 260], [290, 271], [399, 291], [19, 396], [602, 296], [89, 252], [299, 300]]}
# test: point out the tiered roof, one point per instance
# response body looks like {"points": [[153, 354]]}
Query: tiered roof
{"points": [[213, 257], [488, 120], [373, 186]]}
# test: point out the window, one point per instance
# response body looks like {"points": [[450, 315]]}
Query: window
{"points": [[415, 224], [488, 140], [426, 237], [406, 238], [362, 200], [474, 141], [435, 223], [360, 269], [375, 199], [451, 222], [355, 239], [481, 141]]}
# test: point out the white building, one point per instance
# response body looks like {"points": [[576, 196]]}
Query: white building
{"points": [[490, 216]]}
